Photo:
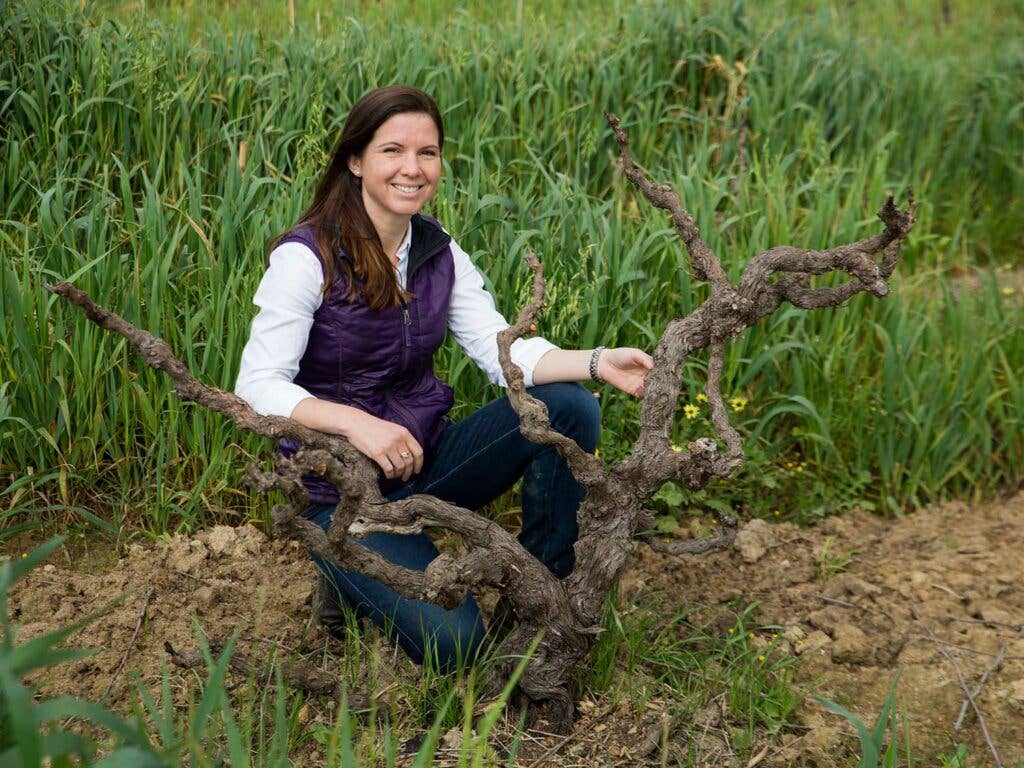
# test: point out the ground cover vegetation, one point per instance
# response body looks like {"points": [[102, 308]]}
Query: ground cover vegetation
{"points": [[151, 162]]}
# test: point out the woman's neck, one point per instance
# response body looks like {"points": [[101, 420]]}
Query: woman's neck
{"points": [[391, 230]]}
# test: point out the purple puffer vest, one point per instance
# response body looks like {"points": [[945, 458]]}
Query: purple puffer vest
{"points": [[382, 361]]}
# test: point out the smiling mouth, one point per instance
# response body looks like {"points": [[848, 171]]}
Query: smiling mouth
{"points": [[407, 189]]}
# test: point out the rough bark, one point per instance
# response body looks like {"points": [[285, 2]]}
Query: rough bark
{"points": [[612, 515]]}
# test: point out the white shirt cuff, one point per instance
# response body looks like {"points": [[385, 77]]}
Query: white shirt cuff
{"points": [[526, 353]]}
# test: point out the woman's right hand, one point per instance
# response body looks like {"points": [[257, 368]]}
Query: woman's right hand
{"points": [[391, 445]]}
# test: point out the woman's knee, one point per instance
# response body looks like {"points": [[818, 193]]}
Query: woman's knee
{"points": [[573, 411]]}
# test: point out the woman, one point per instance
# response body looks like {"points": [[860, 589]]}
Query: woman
{"points": [[354, 303]]}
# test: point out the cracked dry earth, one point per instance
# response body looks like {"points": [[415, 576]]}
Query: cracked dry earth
{"points": [[852, 600]]}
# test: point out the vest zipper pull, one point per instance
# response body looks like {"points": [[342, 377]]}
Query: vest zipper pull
{"points": [[407, 321]]}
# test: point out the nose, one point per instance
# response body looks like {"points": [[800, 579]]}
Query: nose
{"points": [[411, 164]]}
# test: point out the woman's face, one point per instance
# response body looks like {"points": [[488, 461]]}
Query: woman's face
{"points": [[400, 167]]}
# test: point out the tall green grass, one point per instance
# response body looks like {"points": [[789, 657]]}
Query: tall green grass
{"points": [[120, 148]]}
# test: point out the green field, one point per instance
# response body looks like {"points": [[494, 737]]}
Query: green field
{"points": [[150, 151]]}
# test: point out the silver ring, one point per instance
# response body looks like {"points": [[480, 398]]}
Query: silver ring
{"points": [[405, 454]]}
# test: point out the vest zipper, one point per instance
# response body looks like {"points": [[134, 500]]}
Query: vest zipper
{"points": [[406, 347], [407, 335], [341, 373]]}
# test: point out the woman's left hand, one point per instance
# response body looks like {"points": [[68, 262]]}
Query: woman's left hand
{"points": [[625, 368]]}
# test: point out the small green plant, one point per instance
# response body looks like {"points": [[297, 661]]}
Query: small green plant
{"points": [[957, 759], [831, 559], [874, 751]]}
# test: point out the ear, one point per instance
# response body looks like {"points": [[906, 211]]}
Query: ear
{"points": [[355, 165]]}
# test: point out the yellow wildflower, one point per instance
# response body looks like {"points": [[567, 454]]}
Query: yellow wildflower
{"points": [[761, 657], [691, 411], [731, 630], [676, 448], [702, 398], [738, 403]]}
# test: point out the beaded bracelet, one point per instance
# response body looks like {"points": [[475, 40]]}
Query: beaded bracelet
{"points": [[593, 364]]}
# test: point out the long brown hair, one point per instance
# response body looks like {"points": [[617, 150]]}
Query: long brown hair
{"points": [[337, 215]]}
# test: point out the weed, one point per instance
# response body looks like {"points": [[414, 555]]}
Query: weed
{"points": [[875, 753], [831, 559]]}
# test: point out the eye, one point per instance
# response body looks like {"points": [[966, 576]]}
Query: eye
{"points": [[429, 152], [390, 150]]}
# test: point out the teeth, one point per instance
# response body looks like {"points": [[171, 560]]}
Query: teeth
{"points": [[404, 188]]}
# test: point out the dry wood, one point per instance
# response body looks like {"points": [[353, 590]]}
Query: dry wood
{"points": [[981, 684], [721, 538], [967, 691], [297, 674], [612, 514]]}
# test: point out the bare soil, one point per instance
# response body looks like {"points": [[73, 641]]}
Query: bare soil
{"points": [[852, 600], [860, 600]]}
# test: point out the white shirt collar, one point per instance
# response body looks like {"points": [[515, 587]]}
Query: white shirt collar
{"points": [[402, 267], [404, 248]]}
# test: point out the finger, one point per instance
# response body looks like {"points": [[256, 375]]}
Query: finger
{"points": [[411, 458], [398, 463], [641, 359], [408, 464], [417, 457], [386, 464]]}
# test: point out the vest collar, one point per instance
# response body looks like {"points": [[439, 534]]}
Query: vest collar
{"points": [[428, 239]]}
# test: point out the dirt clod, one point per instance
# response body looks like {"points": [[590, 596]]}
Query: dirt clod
{"points": [[850, 645], [753, 540], [1014, 695], [813, 642]]}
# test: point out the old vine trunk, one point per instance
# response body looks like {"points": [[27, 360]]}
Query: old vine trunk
{"points": [[567, 613]]}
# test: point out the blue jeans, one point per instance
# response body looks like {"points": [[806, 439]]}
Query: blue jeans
{"points": [[477, 460]]}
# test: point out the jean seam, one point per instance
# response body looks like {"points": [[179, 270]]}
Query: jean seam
{"points": [[453, 470]]}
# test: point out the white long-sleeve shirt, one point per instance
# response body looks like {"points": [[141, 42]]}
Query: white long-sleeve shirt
{"points": [[290, 292]]}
